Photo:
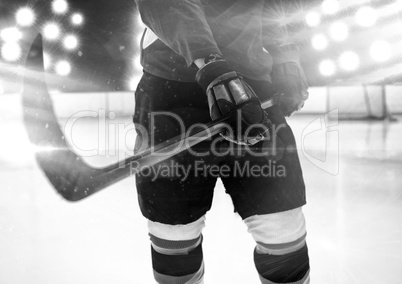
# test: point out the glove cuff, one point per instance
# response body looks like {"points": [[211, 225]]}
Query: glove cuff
{"points": [[212, 70]]}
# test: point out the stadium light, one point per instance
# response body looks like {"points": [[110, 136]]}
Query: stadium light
{"points": [[51, 31], [77, 19], [11, 34], [349, 61], [380, 51], [25, 17], [330, 7], [11, 51], [327, 67], [366, 16], [70, 42], [319, 42], [339, 31], [313, 19], [63, 68], [59, 6]]}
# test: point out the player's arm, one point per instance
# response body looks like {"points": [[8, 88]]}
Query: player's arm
{"points": [[287, 74], [288, 77], [181, 25]]}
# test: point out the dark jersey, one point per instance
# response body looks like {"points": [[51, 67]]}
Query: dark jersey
{"points": [[180, 31]]}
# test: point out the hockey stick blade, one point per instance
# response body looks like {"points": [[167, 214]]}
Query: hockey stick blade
{"points": [[64, 169], [73, 178]]}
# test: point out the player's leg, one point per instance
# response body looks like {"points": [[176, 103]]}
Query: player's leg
{"points": [[275, 219], [269, 201], [175, 214], [171, 197], [281, 254]]}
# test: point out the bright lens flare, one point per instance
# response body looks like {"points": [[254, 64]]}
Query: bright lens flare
{"points": [[63, 68], [339, 31], [140, 23], [330, 7], [41, 149], [11, 34], [138, 39], [313, 19], [349, 61], [137, 63], [133, 83], [11, 51], [70, 42], [25, 17], [399, 4], [319, 42], [59, 6], [51, 31], [77, 19], [380, 51], [47, 61], [327, 67], [366, 17]]}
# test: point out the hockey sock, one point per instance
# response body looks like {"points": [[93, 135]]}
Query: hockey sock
{"points": [[177, 265], [288, 268]]}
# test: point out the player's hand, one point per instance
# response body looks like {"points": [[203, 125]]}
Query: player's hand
{"points": [[229, 95], [289, 80]]}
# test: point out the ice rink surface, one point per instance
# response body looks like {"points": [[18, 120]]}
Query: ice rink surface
{"points": [[353, 174]]}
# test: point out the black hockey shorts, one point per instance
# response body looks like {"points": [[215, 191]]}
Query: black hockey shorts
{"points": [[261, 179]]}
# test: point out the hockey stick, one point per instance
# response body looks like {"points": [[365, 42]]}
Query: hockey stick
{"points": [[66, 171]]}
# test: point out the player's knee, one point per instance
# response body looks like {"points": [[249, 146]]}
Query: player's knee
{"points": [[281, 255], [177, 252], [176, 239], [278, 233]]}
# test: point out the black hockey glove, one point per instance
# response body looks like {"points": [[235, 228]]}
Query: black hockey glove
{"points": [[289, 80], [228, 94]]}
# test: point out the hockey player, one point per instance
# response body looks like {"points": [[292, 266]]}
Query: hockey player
{"points": [[206, 59]]}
